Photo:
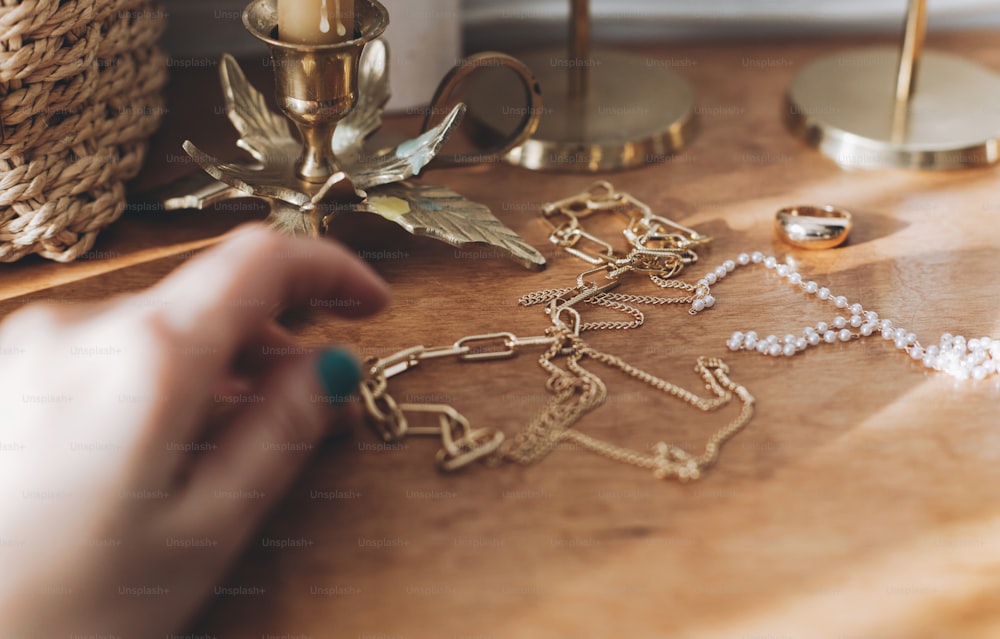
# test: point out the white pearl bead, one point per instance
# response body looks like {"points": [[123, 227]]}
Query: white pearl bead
{"points": [[782, 270], [911, 338], [750, 341], [698, 305], [829, 337], [789, 339], [822, 327], [734, 345], [752, 334], [823, 293], [979, 373], [886, 324], [839, 322], [789, 350], [856, 309], [844, 335], [813, 339], [901, 343], [794, 278], [743, 259], [916, 352], [811, 287], [774, 350], [867, 329], [709, 301], [772, 339], [801, 344], [711, 278], [840, 301], [900, 333], [761, 347], [729, 265], [856, 321], [770, 262], [720, 272], [737, 337], [871, 316], [888, 334], [756, 257]]}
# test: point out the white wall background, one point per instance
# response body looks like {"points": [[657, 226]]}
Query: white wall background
{"points": [[645, 20], [763, 10], [208, 27]]}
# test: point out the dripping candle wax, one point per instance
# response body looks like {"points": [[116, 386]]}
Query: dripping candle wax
{"points": [[316, 21]]}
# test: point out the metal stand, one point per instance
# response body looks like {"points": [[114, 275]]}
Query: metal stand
{"points": [[882, 107], [604, 110]]}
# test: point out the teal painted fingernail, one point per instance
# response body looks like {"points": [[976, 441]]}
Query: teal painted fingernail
{"points": [[339, 373]]}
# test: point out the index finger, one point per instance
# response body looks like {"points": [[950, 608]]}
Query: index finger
{"points": [[222, 297]]}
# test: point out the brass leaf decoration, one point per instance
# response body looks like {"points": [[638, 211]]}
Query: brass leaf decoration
{"points": [[373, 93], [439, 212], [263, 133]]}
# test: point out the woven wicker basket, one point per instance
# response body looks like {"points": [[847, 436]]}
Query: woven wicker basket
{"points": [[80, 93]]}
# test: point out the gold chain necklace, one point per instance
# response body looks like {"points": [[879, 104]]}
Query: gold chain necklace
{"points": [[659, 248]]}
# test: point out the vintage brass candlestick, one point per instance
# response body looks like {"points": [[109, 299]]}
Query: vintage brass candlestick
{"points": [[335, 95], [898, 107]]}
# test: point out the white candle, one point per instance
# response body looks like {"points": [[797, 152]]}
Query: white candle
{"points": [[316, 21]]}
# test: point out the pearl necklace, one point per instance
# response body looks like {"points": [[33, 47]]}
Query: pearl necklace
{"points": [[954, 354]]}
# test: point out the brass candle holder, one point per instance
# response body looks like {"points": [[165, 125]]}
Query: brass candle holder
{"points": [[316, 85], [335, 94]]}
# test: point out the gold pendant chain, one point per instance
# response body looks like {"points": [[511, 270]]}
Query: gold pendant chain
{"points": [[660, 248], [614, 301]]}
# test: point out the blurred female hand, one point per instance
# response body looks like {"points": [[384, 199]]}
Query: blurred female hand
{"points": [[143, 439]]}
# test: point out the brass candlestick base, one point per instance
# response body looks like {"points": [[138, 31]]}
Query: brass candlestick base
{"points": [[844, 106], [335, 95], [633, 114], [885, 107]]}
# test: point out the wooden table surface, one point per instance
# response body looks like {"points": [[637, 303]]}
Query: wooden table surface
{"points": [[862, 502]]}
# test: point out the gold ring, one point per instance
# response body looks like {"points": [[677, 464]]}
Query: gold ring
{"points": [[813, 227]]}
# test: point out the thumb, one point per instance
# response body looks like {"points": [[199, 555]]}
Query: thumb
{"points": [[265, 446]]}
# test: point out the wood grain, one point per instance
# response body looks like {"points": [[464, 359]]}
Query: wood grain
{"points": [[862, 500]]}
